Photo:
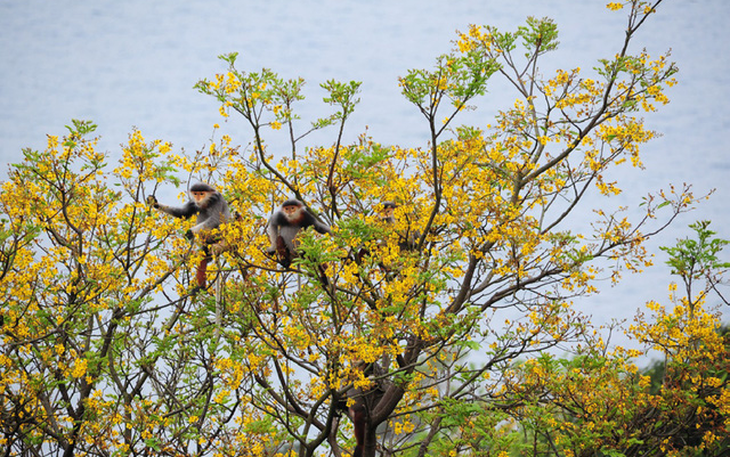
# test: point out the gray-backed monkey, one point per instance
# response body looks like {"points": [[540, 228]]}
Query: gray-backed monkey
{"points": [[211, 210], [386, 216], [284, 225], [388, 208], [406, 241]]}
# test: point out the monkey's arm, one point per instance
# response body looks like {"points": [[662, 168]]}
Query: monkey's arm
{"points": [[215, 214], [321, 227], [210, 223], [185, 212], [272, 229]]}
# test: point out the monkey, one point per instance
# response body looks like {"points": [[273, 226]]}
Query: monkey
{"points": [[211, 210], [386, 215], [407, 241], [283, 227]]}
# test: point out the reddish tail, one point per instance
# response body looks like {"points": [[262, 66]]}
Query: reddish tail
{"points": [[282, 252], [200, 275]]}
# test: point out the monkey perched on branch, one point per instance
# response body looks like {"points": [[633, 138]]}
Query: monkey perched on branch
{"points": [[387, 210], [283, 227], [406, 241], [211, 210]]}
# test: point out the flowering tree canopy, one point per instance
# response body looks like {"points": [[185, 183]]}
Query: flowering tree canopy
{"points": [[419, 320]]}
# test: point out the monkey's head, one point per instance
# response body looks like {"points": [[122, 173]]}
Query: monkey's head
{"points": [[291, 208], [387, 210], [201, 193]]}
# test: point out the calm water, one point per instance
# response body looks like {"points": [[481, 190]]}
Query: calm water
{"points": [[133, 63]]}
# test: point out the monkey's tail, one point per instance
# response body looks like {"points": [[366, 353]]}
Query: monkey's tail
{"points": [[282, 252], [201, 273]]}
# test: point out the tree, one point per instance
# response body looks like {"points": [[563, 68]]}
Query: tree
{"points": [[599, 402], [106, 350]]}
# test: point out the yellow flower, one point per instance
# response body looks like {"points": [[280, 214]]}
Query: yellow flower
{"points": [[614, 6], [79, 368]]}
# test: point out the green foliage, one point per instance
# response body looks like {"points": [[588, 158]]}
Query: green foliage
{"points": [[695, 259], [539, 36], [458, 78], [341, 95]]}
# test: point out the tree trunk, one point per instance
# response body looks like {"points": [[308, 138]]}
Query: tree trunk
{"points": [[370, 442]]}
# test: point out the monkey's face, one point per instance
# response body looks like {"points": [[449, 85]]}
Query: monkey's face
{"points": [[290, 209], [201, 197]]}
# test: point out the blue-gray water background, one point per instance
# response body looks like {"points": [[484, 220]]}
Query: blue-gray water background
{"points": [[133, 63]]}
